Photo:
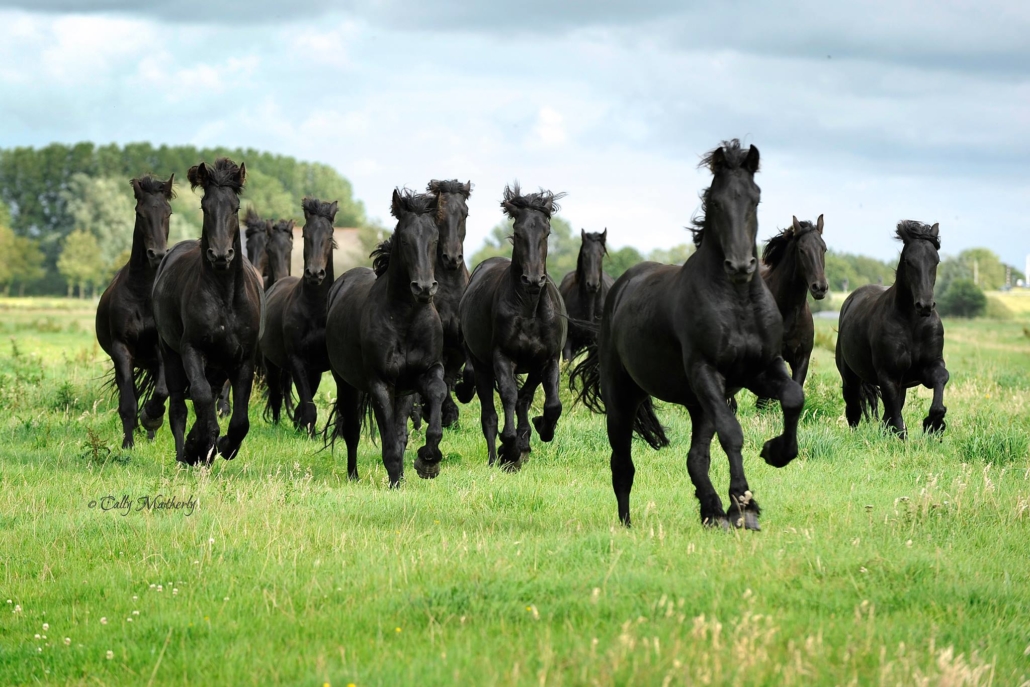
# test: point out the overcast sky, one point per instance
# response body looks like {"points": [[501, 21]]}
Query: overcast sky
{"points": [[869, 114]]}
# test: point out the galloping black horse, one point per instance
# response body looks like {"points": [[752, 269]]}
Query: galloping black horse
{"points": [[207, 305], [125, 317], [584, 291], [695, 335], [385, 341], [793, 264], [514, 322], [891, 339], [453, 275], [280, 251], [293, 338]]}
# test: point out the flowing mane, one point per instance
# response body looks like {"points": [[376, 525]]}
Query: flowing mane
{"points": [[544, 201], [320, 208], [910, 230], [404, 201], [776, 248], [727, 157], [224, 172], [253, 222]]}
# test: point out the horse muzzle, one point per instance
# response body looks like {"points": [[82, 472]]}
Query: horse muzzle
{"points": [[740, 272], [423, 291], [453, 264], [819, 290]]}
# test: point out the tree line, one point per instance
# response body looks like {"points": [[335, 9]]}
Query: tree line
{"points": [[67, 216]]}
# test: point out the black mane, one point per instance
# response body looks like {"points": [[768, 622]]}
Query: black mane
{"points": [[224, 172], [381, 257], [911, 230], [319, 208], [437, 187], [148, 183], [407, 200], [776, 249], [544, 201], [284, 225], [732, 157]]}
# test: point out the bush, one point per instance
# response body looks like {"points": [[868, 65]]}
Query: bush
{"points": [[996, 310], [962, 298]]}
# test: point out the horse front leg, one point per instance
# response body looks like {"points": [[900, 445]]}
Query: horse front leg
{"points": [[935, 378], [699, 461], [710, 388], [776, 383], [523, 431], [393, 453], [504, 375], [433, 389], [488, 412], [152, 414], [126, 392], [893, 403], [200, 442], [305, 414], [175, 376], [242, 379], [452, 370], [545, 424]]}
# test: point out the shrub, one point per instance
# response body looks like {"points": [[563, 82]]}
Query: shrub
{"points": [[962, 298]]}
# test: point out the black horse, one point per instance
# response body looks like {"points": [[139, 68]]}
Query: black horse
{"points": [[793, 265], [125, 316], [695, 335], [891, 339], [453, 275], [279, 249], [293, 338], [514, 322], [207, 305], [584, 291], [385, 341]]}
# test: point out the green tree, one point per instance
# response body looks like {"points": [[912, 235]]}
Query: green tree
{"points": [[621, 260], [80, 261], [7, 238], [677, 255], [105, 208], [26, 264], [962, 298]]}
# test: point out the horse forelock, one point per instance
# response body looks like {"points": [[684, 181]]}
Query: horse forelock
{"points": [[542, 201], [148, 183], [909, 230]]}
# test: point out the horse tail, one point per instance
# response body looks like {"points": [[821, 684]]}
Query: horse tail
{"points": [[647, 426], [144, 382], [334, 424], [331, 429], [368, 415], [585, 378], [585, 383], [465, 389], [869, 400]]}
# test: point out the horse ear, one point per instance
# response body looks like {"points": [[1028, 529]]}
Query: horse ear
{"points": [[934, 229], [751, 161], [137, 190], [243, 173], [819, 224], [332, 211], [604, 235], [797, 224], [510, 209], [396, 207], [197, 175], [466, 190], [582, 234], [717, 160], [170, 187]]}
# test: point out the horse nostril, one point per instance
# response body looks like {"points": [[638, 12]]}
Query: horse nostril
{"points": [[229, 254]]}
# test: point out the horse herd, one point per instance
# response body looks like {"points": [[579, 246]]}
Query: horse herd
{"points": [[399, 338]]}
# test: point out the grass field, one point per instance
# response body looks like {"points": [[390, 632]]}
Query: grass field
{"points": [[880, 561]]}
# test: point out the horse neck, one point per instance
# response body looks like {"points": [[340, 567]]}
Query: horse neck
{"points": [[138, 263], [899, 294], [707, 264], [787, 283], [228, 280], [526, 302], [320, 294]]}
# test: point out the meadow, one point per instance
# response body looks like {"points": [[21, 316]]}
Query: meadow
{"points": [[879, 561]]}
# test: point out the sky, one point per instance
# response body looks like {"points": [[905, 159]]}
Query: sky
{"points": [[867, 114]]}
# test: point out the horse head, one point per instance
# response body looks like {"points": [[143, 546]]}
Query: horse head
{"points": [[917, 269], [222, 183], [409, 256], [153, 211], [811, 256], [730, 209], [590, 264], [531, 215], [318, 239], [451, 213]]}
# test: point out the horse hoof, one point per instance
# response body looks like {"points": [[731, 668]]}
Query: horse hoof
{"points": [[778, 452], [353, 476], [224, 410], [720, 522], [151, 422], [225, 448], [748, 520], [449, 417], [151, 434], [934, 425], [513, 466], [545, 431], [426, 470]]}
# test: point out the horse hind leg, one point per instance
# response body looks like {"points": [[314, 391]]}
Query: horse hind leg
{"points": [[242, 379], [223, 405], [347, 423], [175, 377], [274, 382], [851, 388], [152, 413], [123, 379], [452, 370], [523, 432], [488, 412]]}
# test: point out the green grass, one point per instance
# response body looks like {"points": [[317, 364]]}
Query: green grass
{"points": [[880, 561]]}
